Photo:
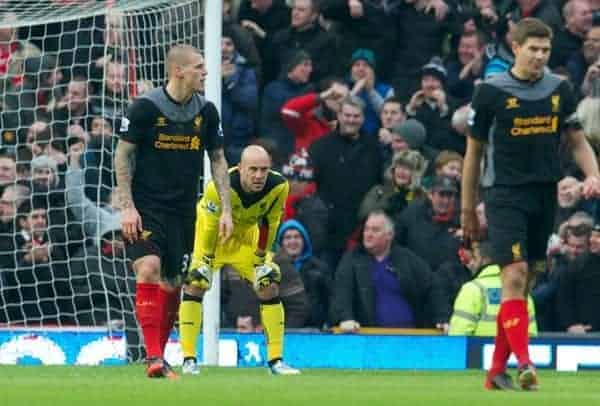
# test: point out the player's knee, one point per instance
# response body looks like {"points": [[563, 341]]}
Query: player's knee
{"points": [[514, 280], [193, 291], [147, 269], [268, 292]]}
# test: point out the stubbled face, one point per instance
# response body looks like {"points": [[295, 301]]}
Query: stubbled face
{"points": [[254, 171], [351, 119], [193, 73], [532, 56]]}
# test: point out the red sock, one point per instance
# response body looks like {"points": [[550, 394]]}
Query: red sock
{"points": [[515, 320], [169, 305], [148, 315], [501, 349]]}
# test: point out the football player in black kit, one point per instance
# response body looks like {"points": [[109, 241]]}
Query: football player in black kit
{"points": [[518, 119], [159, 162]]}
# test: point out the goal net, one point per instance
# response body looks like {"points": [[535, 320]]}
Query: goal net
{"points": [[68, 71]]}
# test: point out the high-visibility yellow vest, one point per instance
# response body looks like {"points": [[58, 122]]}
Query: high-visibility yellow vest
{"points": [[478, 303]]}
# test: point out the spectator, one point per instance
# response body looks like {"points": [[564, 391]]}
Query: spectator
{"points": [[41, 272], [8, 170], [48, 187], [302, 203], [449, 164], [432, 222], [311, 116], [295, 245], [98, 160], [305, 33], [432, 107], [74, 108], [13, 52], [244, 40], [582, 65], [364, 84], [408, 135], [467, 68], [545, 10], [10, 199], [359, 24], [478, 302], [392, 114], [380, 284], [113, 97], [588, 117], [402, 185], [499, 55], [99, 273], [263, 18], [240, 96], [568, 40], [564, 252], [295, 81], [419, 37], [347, 165], [33, 100], [578, 293]]}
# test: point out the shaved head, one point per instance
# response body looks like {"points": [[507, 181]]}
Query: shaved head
{"points": [[253, 152], [180, 55], [254, 167]]}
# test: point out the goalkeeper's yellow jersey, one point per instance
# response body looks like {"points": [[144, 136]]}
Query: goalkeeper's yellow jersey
{"points": [[249, 211]]}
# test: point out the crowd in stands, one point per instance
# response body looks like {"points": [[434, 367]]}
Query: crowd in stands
{"points": [[364, 107]]}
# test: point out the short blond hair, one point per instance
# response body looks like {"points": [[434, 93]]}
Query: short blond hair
{"points": [[179, 55]]}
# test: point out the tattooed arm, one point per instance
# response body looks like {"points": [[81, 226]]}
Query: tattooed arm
{"points": [[131, 222], [218, 166]]}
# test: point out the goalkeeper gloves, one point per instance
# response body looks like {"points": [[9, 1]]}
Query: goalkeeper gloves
{"points": [[201, 276], [266, 273]]}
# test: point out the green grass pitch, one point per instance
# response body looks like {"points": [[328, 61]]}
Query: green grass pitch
{"points": [[127, 385]]}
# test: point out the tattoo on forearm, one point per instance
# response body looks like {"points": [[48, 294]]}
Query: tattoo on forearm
{"points": [[124, 168], [220, 176]]}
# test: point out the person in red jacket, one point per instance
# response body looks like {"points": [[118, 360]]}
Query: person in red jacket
{"points": [[311, 116]]}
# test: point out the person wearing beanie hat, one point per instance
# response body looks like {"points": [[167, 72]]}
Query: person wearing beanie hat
{"points": [[412, 132], [294, 82], [295, 59], [305, 33], [434, 108], [364, 84]]}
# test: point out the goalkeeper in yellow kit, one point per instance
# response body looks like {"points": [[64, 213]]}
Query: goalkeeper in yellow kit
{"points": [[258, 195]]}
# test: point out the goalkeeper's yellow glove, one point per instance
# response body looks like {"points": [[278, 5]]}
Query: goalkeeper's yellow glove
{"points": [[265, 274], [201, 275]]}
